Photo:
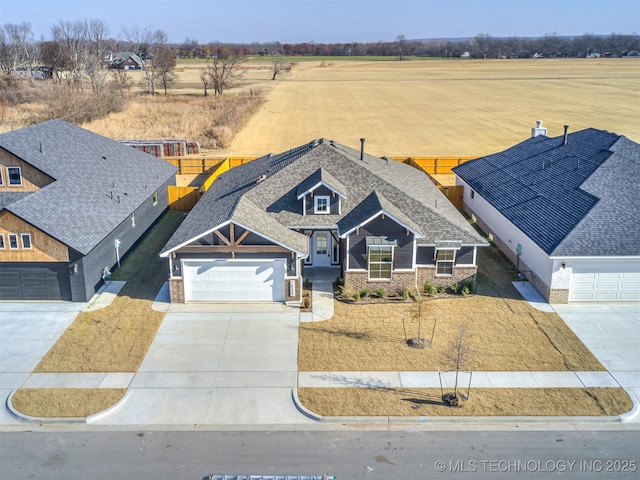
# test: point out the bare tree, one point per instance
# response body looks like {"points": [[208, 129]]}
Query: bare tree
{"points": [[17, 48], [458, 357], [279, 65], [139, 41], [401, 47], [163, 59], [481, 45], [224, 71], [94, 64], [205, 78], [70, 38]]}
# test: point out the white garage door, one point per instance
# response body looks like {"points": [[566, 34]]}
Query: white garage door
{"points": [[233, 280], [612, 282]]}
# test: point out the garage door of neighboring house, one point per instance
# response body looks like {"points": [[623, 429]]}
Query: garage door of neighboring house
{"points": [[35, 281], [613, 282], [234, 280]]}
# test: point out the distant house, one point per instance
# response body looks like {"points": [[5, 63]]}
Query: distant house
{"points": [[71, 203], [565, 211], [36, 73], [126, 61], [377, 223]]}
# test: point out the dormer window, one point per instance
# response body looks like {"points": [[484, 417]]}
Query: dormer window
{"points": [[321, 204]]}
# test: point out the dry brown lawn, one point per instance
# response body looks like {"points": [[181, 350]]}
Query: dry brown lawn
{"points": [[481, 402], [65, 402], [443, 108], [505, 332]]}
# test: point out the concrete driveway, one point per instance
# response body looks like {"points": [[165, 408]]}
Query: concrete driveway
{"points": [[612, 333], [223, 364], [27, 331]]}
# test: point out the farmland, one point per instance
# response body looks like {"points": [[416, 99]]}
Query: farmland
{"points": [[430, 107], [459, 108]]}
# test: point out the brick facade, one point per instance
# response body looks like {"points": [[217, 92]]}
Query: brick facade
{"points": [[297, 287], [401, 281], [176, 290], [460, 275]]}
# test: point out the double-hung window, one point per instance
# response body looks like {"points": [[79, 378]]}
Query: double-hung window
{"points": [[444, 262], [380, 262], [321, 204], [13, 241]]}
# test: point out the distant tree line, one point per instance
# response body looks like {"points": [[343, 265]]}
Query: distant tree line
{"points": [[480, 46]]}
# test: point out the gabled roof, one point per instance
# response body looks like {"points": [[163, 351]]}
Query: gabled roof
{"points": [[573, 199], [371, 206], [321, 177], [272, 183], [98, 182]]}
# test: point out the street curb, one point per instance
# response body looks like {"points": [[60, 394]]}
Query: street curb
{"points": [[634, 413], [40, 420], [302, 409], [113, 408]]}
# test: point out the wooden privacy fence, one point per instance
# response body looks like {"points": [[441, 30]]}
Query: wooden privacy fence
{"points": [[434, 165], [194, 165], [183, 198]]}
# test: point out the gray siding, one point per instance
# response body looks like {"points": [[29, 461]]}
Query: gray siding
{"points": [[323, 191], [465, 256], [425, 255], [88, 279], [381, 228]]}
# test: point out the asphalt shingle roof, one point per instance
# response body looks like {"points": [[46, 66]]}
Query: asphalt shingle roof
{"points": [[577, 199], [98, 182], [404, 191]]}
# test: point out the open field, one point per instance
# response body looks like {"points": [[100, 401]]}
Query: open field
{"points": [[440, 107]]}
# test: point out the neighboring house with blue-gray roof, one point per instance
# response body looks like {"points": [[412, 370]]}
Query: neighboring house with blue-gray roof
{"points": [[67, 198], [565, 211], [377, 222]]}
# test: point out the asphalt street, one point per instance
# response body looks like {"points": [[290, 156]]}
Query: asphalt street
{"points": [[349, 455]]}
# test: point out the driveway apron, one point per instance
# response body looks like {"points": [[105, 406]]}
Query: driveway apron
{"points": [[217, 364]]}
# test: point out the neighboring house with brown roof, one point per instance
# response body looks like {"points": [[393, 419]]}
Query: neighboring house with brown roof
{"points": [[378, 222], [71, 201], [565, 211]]}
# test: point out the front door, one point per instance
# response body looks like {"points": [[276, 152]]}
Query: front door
{"points": [[321, 249]]}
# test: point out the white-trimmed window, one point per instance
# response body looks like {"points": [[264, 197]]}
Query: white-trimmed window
{"points": [[15, 176], [26, 240], [13, 241], [444, 261], [321, 204], [2, 246], [380, 262]]}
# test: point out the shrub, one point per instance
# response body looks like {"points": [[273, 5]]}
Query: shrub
{"points": [[406, 294], [365, 292], [306, 302], [429, 288], [307, 283], [465, 291], [455, 287], [440, 288], [338, 281], [469, 285], [381, 292]]}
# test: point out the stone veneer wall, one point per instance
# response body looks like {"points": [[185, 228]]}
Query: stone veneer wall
{"points": [[558, 296], [176, 290], [460, 274], [400, 282]]}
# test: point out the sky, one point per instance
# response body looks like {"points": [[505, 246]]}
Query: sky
{"points": [[332, 21]]}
